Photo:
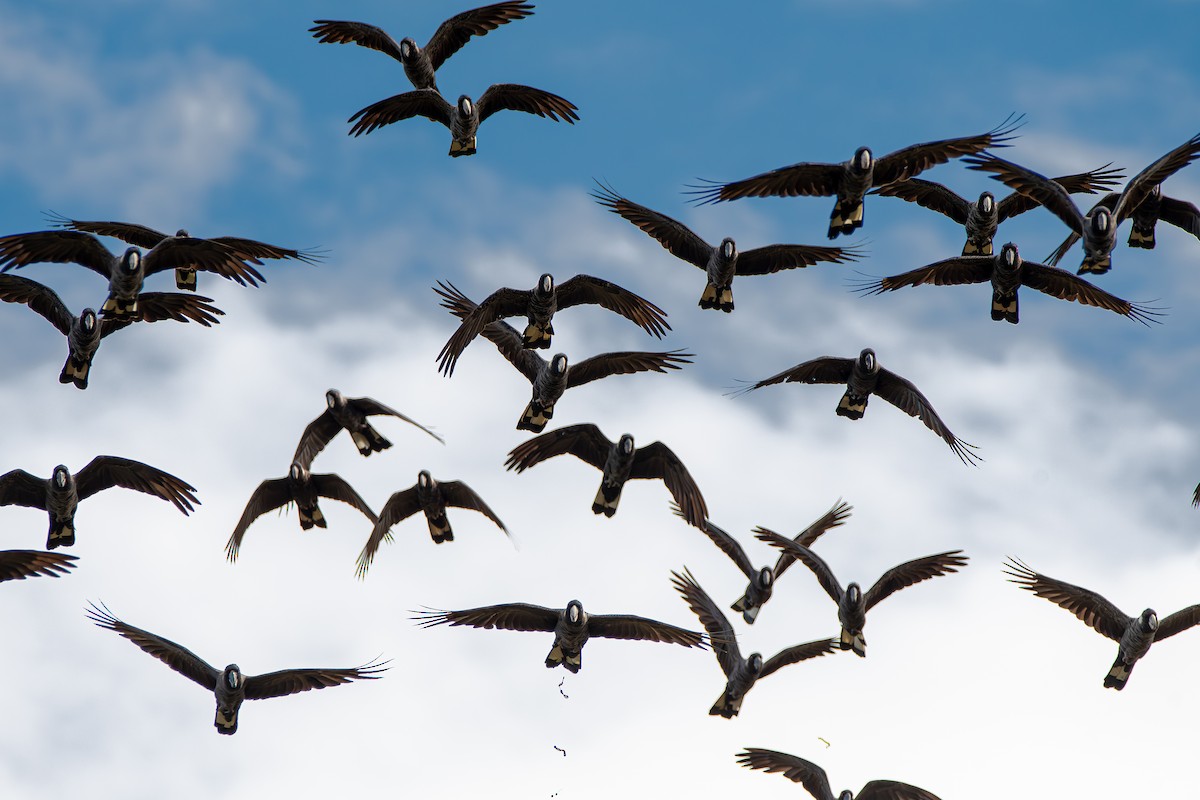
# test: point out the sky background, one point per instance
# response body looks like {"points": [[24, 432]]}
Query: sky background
{"points": [[229, 119]]}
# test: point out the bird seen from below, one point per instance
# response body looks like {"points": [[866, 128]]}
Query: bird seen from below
{"points": [[572, 627], [231, 686], [17, 565], [816, 782], [853, 604], [348, 414]]}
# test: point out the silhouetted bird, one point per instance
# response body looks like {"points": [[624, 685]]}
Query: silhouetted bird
{"points": [[814, 779], [348, 414]]}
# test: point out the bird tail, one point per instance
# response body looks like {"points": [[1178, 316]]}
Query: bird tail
{"points": [[1004, 307], [1142, 236], [185, 279], [462, 147], [851, 406], [75, 371], [439, 528], [62, 533], [120, 308], [1118, 674], [749, 613], [535, 417], [846, 217], [1094, 265], [369, 441], [726, 707], [715, 297], [226, 721], [855, 642], [555, 656], [537, 337], [973, 248], [607, 498], [310, 517]]}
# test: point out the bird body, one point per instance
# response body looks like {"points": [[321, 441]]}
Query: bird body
{"points": [[348, 414]]}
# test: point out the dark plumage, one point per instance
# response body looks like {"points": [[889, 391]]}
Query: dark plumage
{"points": [[420, 63], [850, 180], [125, 273], [539, 305], [572, 627], [230, 686], [852, 603], [981, 217], [762, 581], [816, 782], [863, 377], [303, 488], [723, 262], [85, 331], [431, 498], [551, 378], [619, 462], [17, 565], [1098, 228], [740, 673], [1133, 634], [348, 414], [464, 117], [1157, 206], [60, 494], [1007, 272], [249, 251]]}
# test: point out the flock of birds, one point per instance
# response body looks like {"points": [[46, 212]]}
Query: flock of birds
{"points": [[895, 175]]}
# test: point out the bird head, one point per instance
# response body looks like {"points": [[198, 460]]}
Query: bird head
{"points": [[334, 399], [766, 576], [1148, 620], [131, 261], [424, 479], [575, 615], [1101, 221], [545, 283], [296, 471], [182, 233], [625, 445], [87, 319], [854, 593], [754, 663], [558, 365], [408, 49], [1010, 257], [986, 203], [866, 360], [464, 105], [728, 249], [232, 677], [862, 160], [61, 476]]}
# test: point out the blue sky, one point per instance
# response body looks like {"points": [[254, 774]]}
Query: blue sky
{"points": [[232, 120]]}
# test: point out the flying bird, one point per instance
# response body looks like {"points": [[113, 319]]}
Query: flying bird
{"points": [[249, 251], [816, 782], [85, 331], [619, 462], [1098, 228], [723, 262], [863, 377], [431, 498], [231, 686], [348, 414], [981, 217], [762, 581], [420, 63], [464, 117], [1133, 634], [1157, 206], [539, 305], [852, 603], [850, 180], [551, 378], [17, 565], [572, 627], [60, 494], [303, 488], [125, 273], [1008, 272], [740, 673]]}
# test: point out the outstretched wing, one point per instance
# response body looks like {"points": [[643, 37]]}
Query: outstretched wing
{"points": [[797, 653], [335, 488], [910, 572], [679, 240], [39, 298], [832, 518], [459, 495], [515, 97], [909, 161], [720, 633], [400, 506], [426, 103], [1142, 184], [159, 306], [20, 488], [947, 272], [826, 369], [104, 472], [17, 565], [506, 617], [628, 626], [584, 289], [1066, 286], [1178, 622], [808, 179], [498, 305], [336, 31], [271, 494], [722, 539], [794, 768], [175, 656], [374, 408], [656, 460], [1079, 183], [908, 398], [137, 235], [624, 363], [60, 247], [455, 32], [929, 194], [776, 257], [1096, 612], [317, 434], [501, 334], [808, 558], [584, 441], [291, 681], [1034, 185]]}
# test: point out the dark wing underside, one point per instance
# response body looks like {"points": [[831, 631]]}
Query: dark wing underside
{"points": [[776, 257], [506, 616], [833, 518], [501, 334], [515, 97], [910, 572], [657, 461], [175, 656], [1178, 622], [1079, 183], [20, 488], [954, 271], [104, 472], [798, 653], [400, 506], [794, 768], [801, 553], [271, 494], [805, 179], [584, 441], [928, 194], [720, 633], [317, 434], [59, 247], [910, 161], [40, 298], [728, 545], [16, 565], [1096, 612], [291, 681], [498, 305], [584, 289], [905, 396], [678, 239], [334, 31], [426, 103], [137, 235], [628, 626], [459, 495], [1065, 286], [624, 363], [335, 488], [455, 32], [826, 369]]}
